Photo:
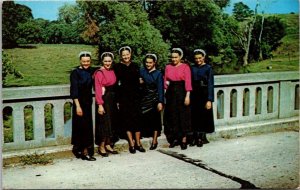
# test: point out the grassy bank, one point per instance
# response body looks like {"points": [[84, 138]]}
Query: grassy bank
{"points": [[45, 64], [286, 56]]}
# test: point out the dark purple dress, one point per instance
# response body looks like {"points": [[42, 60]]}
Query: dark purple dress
{"points": [[82, 126]]}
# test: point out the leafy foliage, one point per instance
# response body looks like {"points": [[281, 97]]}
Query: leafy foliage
{"points": [[273, 32], [153, 26], [12, 15], [8, 69], [116, 24], [241, 11]]}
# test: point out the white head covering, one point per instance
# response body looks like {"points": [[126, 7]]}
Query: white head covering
{"points": [[201, 51], [112, 55], [152, 54], [124, 47], [180, 50], [84, 53]]}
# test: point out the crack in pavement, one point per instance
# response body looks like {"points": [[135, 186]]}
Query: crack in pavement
{"points": [[244, 184]]}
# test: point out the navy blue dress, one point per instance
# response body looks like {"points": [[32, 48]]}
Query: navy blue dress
{"points": [[203, 91], [82, 126], [152, 94]]}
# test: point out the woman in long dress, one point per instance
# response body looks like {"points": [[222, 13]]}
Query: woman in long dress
{"points": [[82, 124], [152, 99], [107, 111], [177, 113], [128, 79], [202, 98]]}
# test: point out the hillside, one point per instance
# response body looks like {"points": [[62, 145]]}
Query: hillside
{"points": [[286, 57], [46, 64]]}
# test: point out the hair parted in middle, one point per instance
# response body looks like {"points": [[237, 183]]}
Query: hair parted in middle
{"points": [[152, 56], [199, 51], [123, 49], [177, 50], [107, 54]]}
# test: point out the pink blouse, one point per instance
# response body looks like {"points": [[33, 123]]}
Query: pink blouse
{"points": [[179, 73], [103, 78]]}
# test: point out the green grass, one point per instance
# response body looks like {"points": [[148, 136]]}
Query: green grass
{"points": [[286, 56], [45, 64], [35, 158]]}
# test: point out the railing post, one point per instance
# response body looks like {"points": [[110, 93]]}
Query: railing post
{"points": [[18, 123], [285, 99], [58, 118], [38, 121]]}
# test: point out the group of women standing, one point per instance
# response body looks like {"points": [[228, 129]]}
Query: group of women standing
{"points": [[129, 102]]}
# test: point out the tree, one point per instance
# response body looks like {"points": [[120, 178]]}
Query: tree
{"points": [[68, 14], [247, 20], [268, 41], [241, 11], [189, 24], [222, 3], [115, 24], [29, 32], [12, 15]]}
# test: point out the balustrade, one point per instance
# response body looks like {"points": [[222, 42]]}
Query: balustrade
{"points": [[240, 98]]}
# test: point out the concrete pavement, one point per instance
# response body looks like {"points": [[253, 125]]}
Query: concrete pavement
{"points": [[260, 161]]}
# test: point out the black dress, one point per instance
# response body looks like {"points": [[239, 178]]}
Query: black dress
{"points": [[203, 91], [177, 122], [82, 126], [128, 97], [107, 124], [152, 94]]}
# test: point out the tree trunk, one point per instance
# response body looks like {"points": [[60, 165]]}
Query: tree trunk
{"points": [[259, 39], [245, 58]]}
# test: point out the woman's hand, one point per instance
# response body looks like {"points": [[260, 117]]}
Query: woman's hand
{"points": [[208, 105], [187, 98], [141, 81], [159, 107], [101, 110], [79, 111], [187, 101]]}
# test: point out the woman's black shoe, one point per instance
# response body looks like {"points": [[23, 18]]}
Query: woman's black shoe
{"points": [[76, 154], [199, 143], [183, 146], [153, 146], [193, 143], [140, 148], [131, 149], [204, 139], [173, 144], [103, 154], [88, 158], [112, 151]]}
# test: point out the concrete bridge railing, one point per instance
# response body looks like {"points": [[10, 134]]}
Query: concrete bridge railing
{"points": [[239, 99]]}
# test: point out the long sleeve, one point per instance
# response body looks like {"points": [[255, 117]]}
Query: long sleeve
{"points": [[188, 78], [178, 73], [98, 87], [210, 85], [160, 87], [74, 85], [165, 79]]}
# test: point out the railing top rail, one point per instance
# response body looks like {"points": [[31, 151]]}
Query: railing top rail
{"points": [[63, 91], [17, 93], [255, 78]]}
